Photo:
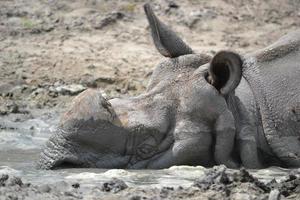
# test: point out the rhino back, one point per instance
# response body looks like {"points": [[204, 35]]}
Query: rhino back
{"points": [[273, 74]]}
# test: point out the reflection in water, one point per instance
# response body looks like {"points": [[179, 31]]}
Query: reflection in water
{"points": [[20, 148]]}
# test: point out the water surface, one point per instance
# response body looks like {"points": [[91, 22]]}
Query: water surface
{"points": [[22, 140]]}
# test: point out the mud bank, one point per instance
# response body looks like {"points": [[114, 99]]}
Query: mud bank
{"points": [[52, 50], [216, 183]]}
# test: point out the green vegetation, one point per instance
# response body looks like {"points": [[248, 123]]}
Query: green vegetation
{"points": [[130, 7], [28, 23]]}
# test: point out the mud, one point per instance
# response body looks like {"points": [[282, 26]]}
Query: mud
{"points": [[52, 50], [216, 183]]}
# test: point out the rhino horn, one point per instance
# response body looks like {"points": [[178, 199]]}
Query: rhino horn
{"points": [[165, 40]]}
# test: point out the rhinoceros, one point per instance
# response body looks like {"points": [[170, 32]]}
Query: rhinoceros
{"points": [[197, 110]]}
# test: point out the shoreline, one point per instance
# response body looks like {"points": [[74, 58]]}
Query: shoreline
{"points": [[50, 51], [216, 183]]}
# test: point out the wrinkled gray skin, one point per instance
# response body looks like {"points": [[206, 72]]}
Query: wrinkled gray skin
{"points": [[197, 110]]}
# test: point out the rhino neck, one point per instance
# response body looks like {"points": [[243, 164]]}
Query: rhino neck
{"points": [[275, 92]]}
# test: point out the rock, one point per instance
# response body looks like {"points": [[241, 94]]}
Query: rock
{"points": [[48, 28], [5, 88], [244, 44], [91, 66], [14, 181], [14, 188], [15, 88], [3, 179], [172, 7], [115, 185], [245, 176], [216, 175], [72, 89], [45, 188], [194, 17], [274, 195], [35, 31], [9, 107], [75, 185], [109, 19], [105, 79], [290, 185], [237, 185], [164, 192], [14, 108], [239, 196], [173, 4], [100, 81], [135, 197]]}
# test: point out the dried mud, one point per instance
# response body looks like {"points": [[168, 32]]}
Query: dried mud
{"points": [[52, 50]]}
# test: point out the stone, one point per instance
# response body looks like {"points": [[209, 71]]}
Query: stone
{"points": [[72, 89], [115, 185]]}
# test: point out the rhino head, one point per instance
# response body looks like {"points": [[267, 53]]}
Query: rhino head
{"points": [[181, 119]]}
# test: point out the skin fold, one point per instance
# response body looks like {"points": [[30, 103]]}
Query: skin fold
{"points": [[197, 110]]}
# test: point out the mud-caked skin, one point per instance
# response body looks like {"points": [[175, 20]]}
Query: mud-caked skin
{"points": [[197, 110]]}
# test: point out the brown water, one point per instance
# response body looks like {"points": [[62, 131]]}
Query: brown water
{"points": [[20, 148]]}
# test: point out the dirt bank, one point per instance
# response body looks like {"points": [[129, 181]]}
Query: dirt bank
{"points": [[51, 50]]}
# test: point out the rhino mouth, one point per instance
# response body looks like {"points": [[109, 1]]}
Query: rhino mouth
{"points": [[56, 155], [60, 163], [139, 150]]}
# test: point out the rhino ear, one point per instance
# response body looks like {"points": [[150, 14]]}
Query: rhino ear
{"points": [[225, 71], [166, 41]]}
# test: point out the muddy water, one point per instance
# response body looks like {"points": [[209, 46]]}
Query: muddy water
{"points": [[21, 141]]}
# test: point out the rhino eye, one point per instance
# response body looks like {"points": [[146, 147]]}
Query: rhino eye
{"points": [[207, 77]]}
